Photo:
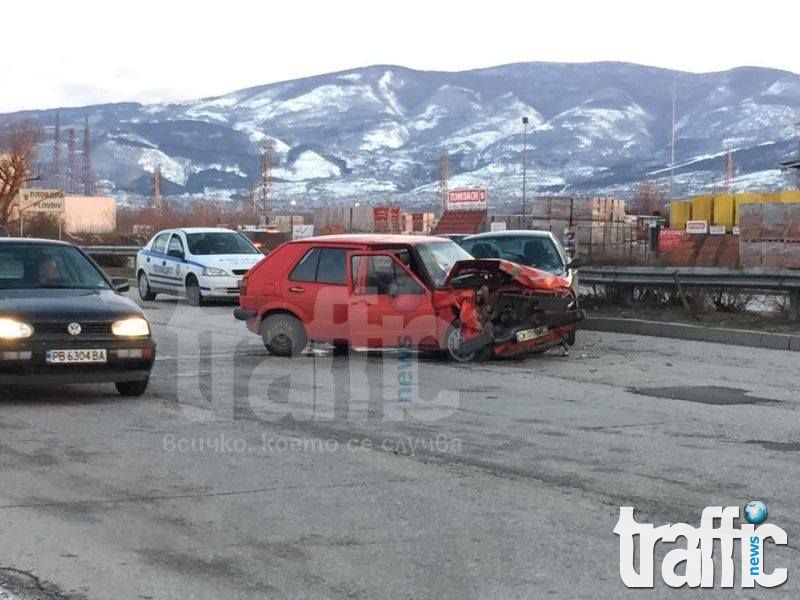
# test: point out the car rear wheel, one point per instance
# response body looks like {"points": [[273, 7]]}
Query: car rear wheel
{"points": [[284, 335], [571, 338], [145, 293], [193, 291], [132, 388]]}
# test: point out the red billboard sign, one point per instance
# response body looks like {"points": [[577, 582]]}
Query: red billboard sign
{"points": [[466, 199], [669, 237]]}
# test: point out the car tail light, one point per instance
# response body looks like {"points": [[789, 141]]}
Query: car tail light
{"points": [[243, 286]]}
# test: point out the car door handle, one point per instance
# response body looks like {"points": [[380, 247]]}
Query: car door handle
{"points": [[297, 289], [164, 264], [148, 259], [360, 302]]}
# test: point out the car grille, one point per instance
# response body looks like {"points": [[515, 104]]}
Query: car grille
{"points": [[60, 329], [239, 271]]}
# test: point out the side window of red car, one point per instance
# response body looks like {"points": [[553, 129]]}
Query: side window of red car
{"points": [[322, 265], [384, 276], [306, 268], [332, 266]]}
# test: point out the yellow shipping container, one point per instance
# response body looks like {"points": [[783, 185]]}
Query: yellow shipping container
{"points": [[680, 211], [724, 210], [790, 196], [702, 208], [745, 198]]}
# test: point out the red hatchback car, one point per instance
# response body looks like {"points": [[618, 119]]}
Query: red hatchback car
{"points": [[403, 291]]}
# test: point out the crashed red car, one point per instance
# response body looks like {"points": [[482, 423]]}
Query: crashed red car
{"points": [[403, 291]]}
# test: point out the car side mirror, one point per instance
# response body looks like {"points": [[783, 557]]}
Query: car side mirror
{"points": [[121, 284], [575, 263], [394, 290]]}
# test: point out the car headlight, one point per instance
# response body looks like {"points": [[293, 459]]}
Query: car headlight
{"points": [[133, 327], [11, 329], [214, 272]]}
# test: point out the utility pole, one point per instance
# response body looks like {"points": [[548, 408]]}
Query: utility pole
{"points": [[266, 179], [524, 168], [672, 148], [158, 200], [56, 176], [444, 176], [729, 171]]}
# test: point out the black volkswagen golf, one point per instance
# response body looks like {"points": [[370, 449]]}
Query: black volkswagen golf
{"points": [[63, 321]]}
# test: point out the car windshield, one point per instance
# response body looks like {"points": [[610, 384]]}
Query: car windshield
{"points": [[219, 242], [439, 257], [529, 250], [50, 266]]}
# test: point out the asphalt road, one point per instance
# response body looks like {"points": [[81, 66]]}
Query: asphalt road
{"points": [[240, 475]]}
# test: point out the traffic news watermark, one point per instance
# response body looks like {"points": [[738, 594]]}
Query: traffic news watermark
{"points": [[698, 554]]}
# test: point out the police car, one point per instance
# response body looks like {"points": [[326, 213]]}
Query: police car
{"points": [[198, 263]]}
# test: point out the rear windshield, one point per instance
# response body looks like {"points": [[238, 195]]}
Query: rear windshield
{"points": [[219, 242], [26, 266]]}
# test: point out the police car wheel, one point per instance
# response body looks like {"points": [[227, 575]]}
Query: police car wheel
{"points": [[145, 293], [193, 291]]}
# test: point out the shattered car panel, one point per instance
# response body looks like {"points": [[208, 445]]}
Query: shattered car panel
{"points": [[508, 307]]}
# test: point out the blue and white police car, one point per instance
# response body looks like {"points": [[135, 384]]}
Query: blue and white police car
{"points": [[198, 263]]}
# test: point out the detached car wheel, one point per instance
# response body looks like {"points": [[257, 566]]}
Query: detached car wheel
{"points": [[571, 338], [284, 335], [145, 293], [132, 388], [453, 341]]}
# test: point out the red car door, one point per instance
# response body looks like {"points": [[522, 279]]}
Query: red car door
{"points": [[389, 306], [317, 289]]}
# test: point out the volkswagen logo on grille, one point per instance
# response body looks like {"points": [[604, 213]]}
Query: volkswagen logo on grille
{"points": [[74, 329]]}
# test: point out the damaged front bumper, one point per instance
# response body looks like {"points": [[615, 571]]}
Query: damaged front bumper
{"points": [[549, 330]]}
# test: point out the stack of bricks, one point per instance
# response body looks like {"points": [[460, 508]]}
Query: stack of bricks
{"points": [[598, 222], [770, 235]]}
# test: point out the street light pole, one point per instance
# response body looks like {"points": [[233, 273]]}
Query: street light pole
{"points": [[524, 164]]}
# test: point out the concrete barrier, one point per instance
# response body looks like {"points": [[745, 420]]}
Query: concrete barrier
{"points": [[696, 333]]}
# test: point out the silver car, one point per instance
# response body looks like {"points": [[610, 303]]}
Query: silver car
{"points": [[539, 249]]}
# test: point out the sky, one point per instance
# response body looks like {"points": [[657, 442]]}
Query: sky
{"points": [[81, 52]]}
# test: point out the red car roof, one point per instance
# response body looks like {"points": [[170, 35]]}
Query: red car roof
{"points": [[371, 239]]}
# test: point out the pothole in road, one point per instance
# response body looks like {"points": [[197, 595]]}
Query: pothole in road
{"points": [[704, 394]]}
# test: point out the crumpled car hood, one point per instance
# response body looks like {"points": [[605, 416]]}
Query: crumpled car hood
{"points": [[527, 276]]}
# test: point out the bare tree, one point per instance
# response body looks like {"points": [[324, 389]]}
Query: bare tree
{"points": [[18, 142], [648, 199]]}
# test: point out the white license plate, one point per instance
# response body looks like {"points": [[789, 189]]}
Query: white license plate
{"points": [[531, 334], [76, 357]]}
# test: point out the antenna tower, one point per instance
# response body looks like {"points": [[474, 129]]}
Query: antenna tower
{"points": [[89, 187], [72, 162]]}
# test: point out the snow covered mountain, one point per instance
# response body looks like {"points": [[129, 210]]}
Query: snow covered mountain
{"points": [[375, 133]]}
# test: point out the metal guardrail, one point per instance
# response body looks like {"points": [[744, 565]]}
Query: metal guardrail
{"points": [[129, 251], [755, 279]]}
